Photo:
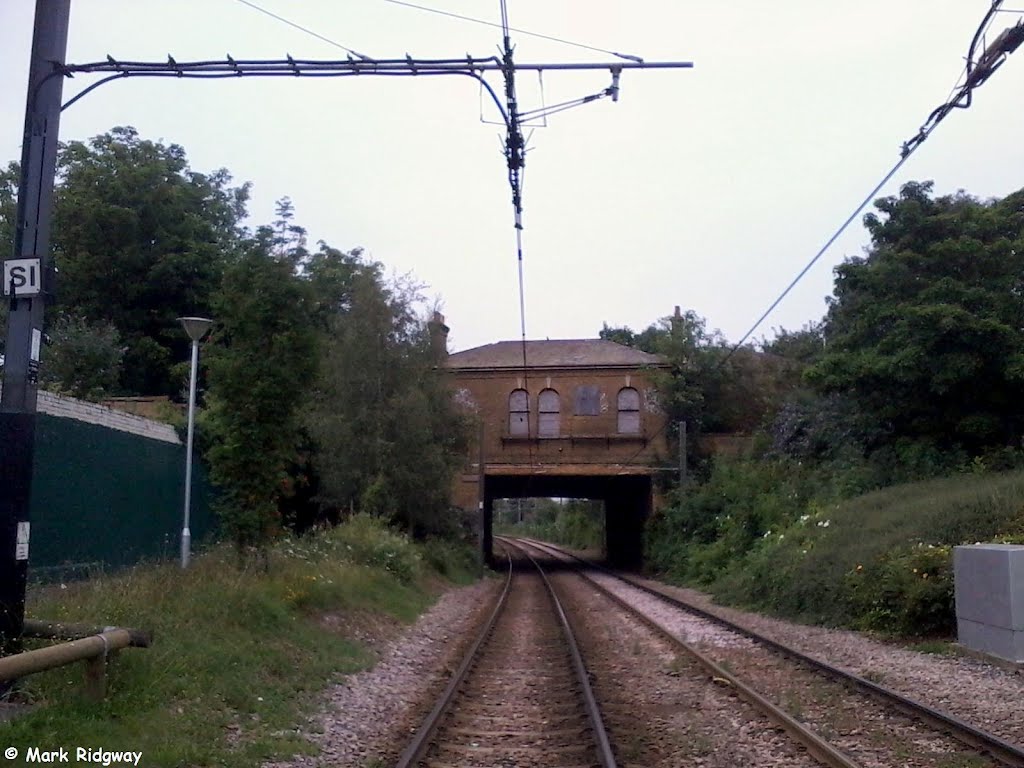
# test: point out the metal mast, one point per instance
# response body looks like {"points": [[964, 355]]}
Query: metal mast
{"points": [[515, 157]]}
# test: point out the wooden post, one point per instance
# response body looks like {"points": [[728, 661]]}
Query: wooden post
{"points": [[96, 677]]}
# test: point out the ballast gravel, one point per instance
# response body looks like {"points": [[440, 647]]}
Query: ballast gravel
{"points": [[868, 732], [366, 719], [987, 695]]}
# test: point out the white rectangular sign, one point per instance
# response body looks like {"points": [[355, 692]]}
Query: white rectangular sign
{"points": [[21, 548], [25, 275]]}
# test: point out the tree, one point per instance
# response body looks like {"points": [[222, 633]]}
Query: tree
{"points": [[706, 386], [140, 239], [804, 346], [388, 435], [82, 359], [926, 332], [261, 360]]}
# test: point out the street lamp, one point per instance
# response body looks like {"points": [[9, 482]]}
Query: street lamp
{"points": [[196, 328]]}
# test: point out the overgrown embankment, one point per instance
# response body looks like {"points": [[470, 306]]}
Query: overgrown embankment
{"points": [[758, 535], [238, 654]]}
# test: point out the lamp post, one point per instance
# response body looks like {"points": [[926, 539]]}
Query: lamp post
{"points": [[196, 328]]}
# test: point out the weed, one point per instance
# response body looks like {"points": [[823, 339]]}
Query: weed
{"points": [[766, 535], [874, 676], [238, 654], [936, 647]]}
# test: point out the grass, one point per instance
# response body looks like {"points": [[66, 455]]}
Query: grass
{"points": [[879, 561], [238, 655], [935, 647]]}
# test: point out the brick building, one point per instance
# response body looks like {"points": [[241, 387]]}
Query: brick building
{"points": [[578, 419]]}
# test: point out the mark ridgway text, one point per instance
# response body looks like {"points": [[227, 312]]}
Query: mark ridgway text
{"points": [[82, 755]]}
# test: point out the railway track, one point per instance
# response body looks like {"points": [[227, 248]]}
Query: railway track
{"points": [[521, 696], [842, 719]]}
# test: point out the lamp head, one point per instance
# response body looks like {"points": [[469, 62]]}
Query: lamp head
{"points": [[195, 327]]}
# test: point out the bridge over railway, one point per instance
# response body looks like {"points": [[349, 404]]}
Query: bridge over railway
{"points": [[580, 419]]}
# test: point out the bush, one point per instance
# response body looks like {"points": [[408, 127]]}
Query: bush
{"points": [[366, 540], [908, 591], [880, 561], [455, 560]]}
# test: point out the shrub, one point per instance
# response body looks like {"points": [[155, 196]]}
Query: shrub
{"points": [[366, 540], [908, 591], [456, 560], [863, 562]]}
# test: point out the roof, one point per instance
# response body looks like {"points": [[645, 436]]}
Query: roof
{"points": [[553, 353]]}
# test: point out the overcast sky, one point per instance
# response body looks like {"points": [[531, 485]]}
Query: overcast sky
{"points": [[708, 188]]}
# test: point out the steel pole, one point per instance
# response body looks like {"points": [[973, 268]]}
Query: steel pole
{"points": [[682, 454], [186, 534], [25, 319]]}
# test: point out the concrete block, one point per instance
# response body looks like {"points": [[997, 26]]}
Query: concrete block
{"points": [[989, 591], [998, 641], [989, 584]]}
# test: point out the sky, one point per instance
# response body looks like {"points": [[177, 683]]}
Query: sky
{"points": [[707, 188]]}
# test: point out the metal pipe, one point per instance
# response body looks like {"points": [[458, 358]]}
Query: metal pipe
{"points": [[41, 659], [240, 66], [59, 630], [186, 534]]}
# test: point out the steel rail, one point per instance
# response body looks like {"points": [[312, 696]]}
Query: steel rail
{"points": [[421, 741], [605, 754], [417, 749], [819, 748], [964, 732]]}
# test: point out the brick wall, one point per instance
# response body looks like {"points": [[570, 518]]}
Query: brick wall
{"points": [[93, 413], [583, 439]]}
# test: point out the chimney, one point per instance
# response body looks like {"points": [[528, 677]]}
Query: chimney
{"points": [[677, 321], [438, 337]]}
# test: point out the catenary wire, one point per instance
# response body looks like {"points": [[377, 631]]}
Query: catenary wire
{"points": [[474, 20], [908, 149], [301, 28]]}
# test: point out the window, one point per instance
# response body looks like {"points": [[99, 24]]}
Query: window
{"points": [[519, 413], [588, 400], [548, 410], [629, 411]]}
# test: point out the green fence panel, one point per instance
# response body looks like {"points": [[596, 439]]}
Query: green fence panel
{"points": [[105, 499]]}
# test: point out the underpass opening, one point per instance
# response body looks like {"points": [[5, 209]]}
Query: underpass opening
{"points": [[576, 523], [626, 501]]}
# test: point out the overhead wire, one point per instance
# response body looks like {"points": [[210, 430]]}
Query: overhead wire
{"points": [[306, 30], [908, 148], [504, 26], [515, 155]]}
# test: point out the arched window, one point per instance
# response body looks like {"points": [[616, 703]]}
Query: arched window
{"points": [[519, 413], [548, 407], [629, 411]]}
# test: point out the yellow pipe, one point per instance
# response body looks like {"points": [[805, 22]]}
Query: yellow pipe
{"points": [[21, 664]]}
